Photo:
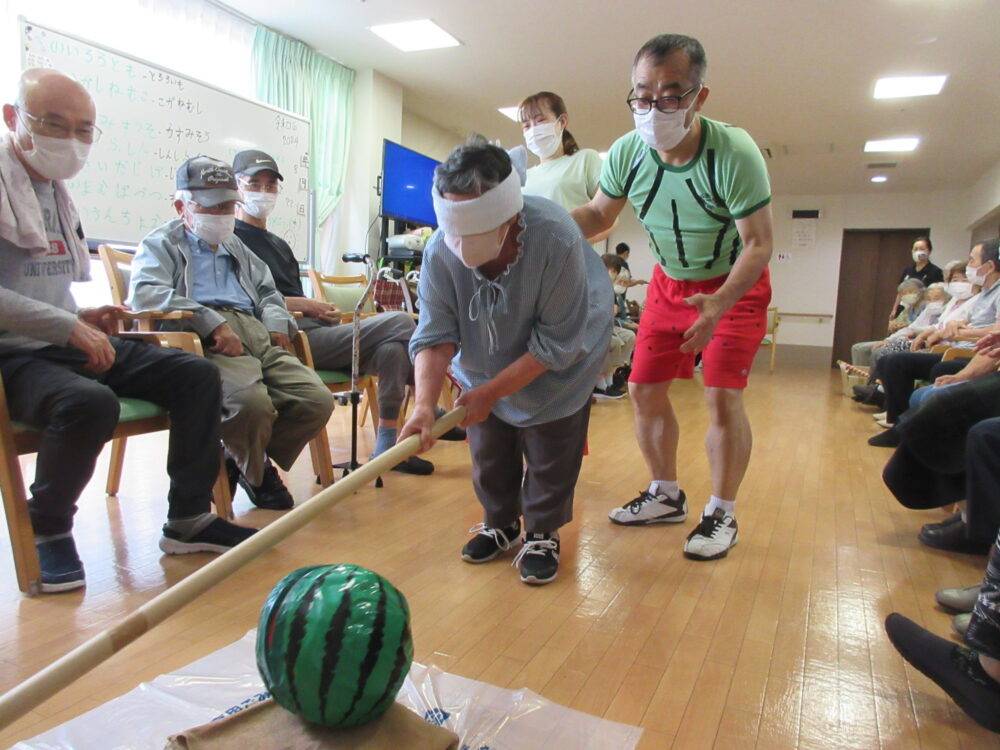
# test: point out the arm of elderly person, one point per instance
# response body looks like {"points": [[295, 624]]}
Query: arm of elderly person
{"points": [[981, 364], [152, 286]]}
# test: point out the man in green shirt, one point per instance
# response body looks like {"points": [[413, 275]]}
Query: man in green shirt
{"points": [[701, 191]]}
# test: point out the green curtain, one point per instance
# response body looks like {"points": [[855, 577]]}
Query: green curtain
{"points": [[290, 75]]}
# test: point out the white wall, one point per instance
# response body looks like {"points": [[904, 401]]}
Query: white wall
{"points": [[807, 281], [427, 137]]}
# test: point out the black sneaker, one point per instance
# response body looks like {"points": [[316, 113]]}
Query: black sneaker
{"points": [[489, 542], [649, 508], [415, 465], [539, 558], [455, 434], [218, 536], [60, 564], [609, 393], [271, 493], [888, 439]]}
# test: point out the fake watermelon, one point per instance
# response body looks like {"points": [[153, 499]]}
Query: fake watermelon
{"points": [[334, 644]]}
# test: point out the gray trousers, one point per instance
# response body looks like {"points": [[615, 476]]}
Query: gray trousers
{"points": [[529, 471], [271, 403], [385, 340]]}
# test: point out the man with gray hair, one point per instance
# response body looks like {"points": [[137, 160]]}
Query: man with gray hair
{"points": [[62, 371], [512, 297], [272, 404]]}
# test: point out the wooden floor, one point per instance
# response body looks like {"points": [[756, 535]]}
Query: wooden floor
{"points": [[780, 645]]}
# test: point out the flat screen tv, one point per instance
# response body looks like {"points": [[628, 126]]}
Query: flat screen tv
{"points": [[407, 177]]}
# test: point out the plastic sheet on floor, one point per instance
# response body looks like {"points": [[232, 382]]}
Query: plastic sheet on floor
{"points": [[484, 717]]}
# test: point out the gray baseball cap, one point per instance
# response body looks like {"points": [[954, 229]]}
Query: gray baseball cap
{"points": [[210, 181]]}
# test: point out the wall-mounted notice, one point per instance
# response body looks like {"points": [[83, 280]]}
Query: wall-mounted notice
{"points": [[152, 121]]}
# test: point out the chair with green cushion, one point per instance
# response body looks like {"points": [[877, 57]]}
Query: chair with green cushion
{"points": [[137, 417]]}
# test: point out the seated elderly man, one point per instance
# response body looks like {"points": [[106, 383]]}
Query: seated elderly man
{"points": [[900, 370], [384, 338], [61, 371], [512, 296], [272, 404]]}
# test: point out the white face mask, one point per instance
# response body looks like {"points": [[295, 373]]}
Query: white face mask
{"points": [[259, 205], [919, 256], [661, 130], [476, 249], [56, 158], [974, 275], [909, 300], [959, 289], [213, 229], [543, 139]]}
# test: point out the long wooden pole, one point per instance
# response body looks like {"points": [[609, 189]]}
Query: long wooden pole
{"points": [[43, 685]]}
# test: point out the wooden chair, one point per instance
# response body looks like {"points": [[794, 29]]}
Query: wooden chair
{"points": [[137, 417], [773, 321], [118, 265]]}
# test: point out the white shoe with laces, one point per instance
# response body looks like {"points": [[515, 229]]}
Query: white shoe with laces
{"points": [[712, 538], [649, 508]]}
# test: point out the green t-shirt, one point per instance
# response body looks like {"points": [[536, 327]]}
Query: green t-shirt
{"points": [[689, 212], [570, 181]]}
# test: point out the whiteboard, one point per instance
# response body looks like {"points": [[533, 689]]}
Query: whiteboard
{"points": [[153, 120]]}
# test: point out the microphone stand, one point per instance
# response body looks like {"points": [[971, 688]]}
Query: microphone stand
{"points": [[355, 394]]}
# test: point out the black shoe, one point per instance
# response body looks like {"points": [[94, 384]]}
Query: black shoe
{"points": [[539, 558], [620, 378], [218, 536], [955, 669], [414, 465], [888, 439], [455, 434], [60, 565], [271, 493], [489, 542], [863, 392], [609, 393], [953, 536], [952, 519]]}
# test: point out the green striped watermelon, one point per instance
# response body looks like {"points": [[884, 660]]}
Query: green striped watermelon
{"points": [[334, 644]]}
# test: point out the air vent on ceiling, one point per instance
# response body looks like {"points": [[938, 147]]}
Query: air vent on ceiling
{"points": [[782, 150], [882, 165]]}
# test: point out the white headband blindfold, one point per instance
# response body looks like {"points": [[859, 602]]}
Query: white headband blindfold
{"points": [[479, 215]]}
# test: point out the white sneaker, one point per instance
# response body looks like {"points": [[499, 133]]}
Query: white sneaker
{"points": [[712, 538], [878, 416], [649, 508]]}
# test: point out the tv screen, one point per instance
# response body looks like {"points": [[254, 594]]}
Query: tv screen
{"points": [[406, 185]]}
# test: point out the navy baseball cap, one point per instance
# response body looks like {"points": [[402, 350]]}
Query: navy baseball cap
{"points": [[210, 181], [251, 162]]}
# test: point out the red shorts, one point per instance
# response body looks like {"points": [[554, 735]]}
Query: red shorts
{"points": [[727, 358]]}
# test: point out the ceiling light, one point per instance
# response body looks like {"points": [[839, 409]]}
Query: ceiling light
{"points": [[411, 36], [510, 112], [892, 144], [880, 178], [900, 86]]}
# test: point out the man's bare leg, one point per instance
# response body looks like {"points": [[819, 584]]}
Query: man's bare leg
{"points": [[657, 433], [728, 441]]}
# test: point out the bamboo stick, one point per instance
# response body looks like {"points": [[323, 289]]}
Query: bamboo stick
{"points": [[65, 670]]}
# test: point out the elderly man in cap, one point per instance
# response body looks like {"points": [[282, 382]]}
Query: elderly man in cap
{"points": [[272, 404], [384, 338], [61, 370], [514, 299]]}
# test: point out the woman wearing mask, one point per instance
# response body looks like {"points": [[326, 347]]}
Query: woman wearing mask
{"points": [[567, 173], [921, 269]]}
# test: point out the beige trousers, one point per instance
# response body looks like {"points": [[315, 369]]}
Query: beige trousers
{"points": [[272, 404]]}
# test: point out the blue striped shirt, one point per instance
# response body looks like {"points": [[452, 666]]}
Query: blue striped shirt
{"points": [[554, 301], [215, 277]]}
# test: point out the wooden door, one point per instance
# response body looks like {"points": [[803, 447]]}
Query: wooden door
{"points": [[871, 263]]}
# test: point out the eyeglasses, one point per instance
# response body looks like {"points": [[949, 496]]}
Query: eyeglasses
{"points": [[253, 186], [666, 104], [57, 127]]}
